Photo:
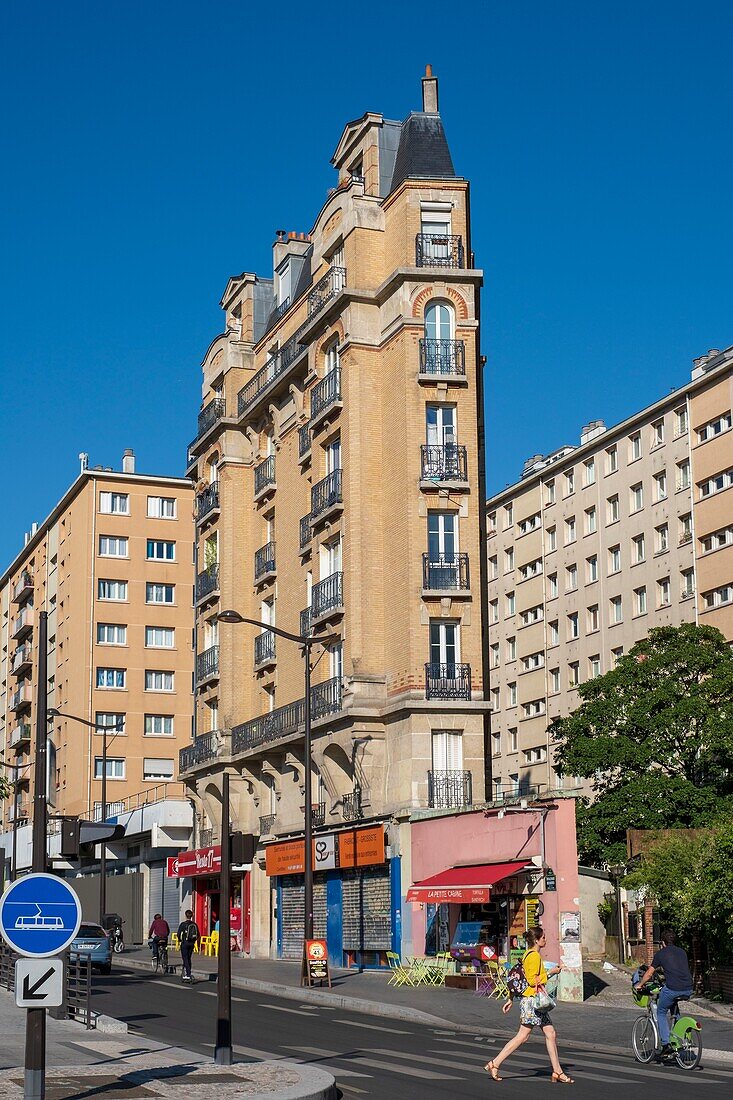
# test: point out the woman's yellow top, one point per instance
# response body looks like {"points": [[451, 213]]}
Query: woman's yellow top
{"points": [[534, 972]]}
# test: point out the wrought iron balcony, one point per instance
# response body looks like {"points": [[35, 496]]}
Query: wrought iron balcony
{"points": [[326, 494], [207, 582], [445, 573], [207, 501], [351, 808], [306, 531], [444, 462], [326, 394], [264, 561], [278, 723], [260, 382], [266, 823], [23, 587], [205, 747], [442, 357], [264, 648], [20, 733], [207, 664], [332, 283], [448, 790], [22, 658], [304, 441], [449, 681], [318, 814], [208, 416], [282, 308], [305, 622], [327, 597], [265, 476], [207, 837], [438, 250]]}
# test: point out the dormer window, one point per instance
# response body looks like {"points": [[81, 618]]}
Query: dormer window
{"points": [[282, 282]]}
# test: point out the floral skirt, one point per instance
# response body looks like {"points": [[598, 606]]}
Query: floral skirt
{"points": [[530, 1015]]}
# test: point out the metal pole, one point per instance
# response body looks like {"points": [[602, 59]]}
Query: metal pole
{"points": [[308, 830], [14, 853], [35, 1027], [223, 1051], [103, 847], [620, 922]]}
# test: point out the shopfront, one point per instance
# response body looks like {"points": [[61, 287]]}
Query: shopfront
{"points": [[356, 896], [202, 866]]}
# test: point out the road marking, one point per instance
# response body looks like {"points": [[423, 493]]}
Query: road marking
{"points": [[324, 1054], [373, 1027], [393, 1067], [281, 1008], [353, 1088], [424, 1058]]}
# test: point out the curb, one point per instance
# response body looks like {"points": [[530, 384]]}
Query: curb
{"points": [[315, 1084]]}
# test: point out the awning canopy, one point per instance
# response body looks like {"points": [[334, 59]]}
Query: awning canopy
{"points": [[464, 884]]}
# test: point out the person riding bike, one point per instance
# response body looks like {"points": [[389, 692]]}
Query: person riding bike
{"points": [[158, 934], [672, 960]]}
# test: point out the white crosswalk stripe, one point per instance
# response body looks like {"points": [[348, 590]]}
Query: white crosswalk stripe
{"points": [[359, 1059], [372, 1027]]}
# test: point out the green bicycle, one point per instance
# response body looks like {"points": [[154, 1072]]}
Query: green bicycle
{"points": [[684, 1038]]}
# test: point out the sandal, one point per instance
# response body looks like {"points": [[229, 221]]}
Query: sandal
{"points": [[494, 1071], [562, 1078]]}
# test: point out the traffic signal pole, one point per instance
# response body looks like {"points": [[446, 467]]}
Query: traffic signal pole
{"points": [[35, 1027]]}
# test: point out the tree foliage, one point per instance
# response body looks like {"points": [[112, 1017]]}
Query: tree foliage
{"points": [[655, 736]]}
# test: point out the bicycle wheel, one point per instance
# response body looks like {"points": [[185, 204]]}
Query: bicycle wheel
{"points": [[164, 961], [154, 965], [644, 1039], [688, 1054]]}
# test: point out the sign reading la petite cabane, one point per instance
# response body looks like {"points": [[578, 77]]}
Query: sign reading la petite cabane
{"points": [[354, 848], [202, 861], [457, 895]]}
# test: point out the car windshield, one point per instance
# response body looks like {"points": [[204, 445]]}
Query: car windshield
{"points": [[91, 932]]}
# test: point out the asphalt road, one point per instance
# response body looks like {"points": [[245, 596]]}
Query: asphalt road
{"points": [[375, 1057]]}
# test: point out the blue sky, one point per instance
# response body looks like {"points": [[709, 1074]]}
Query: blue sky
{"points": [[152, 149]]}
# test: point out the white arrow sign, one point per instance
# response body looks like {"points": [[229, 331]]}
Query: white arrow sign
{"points": [[39, 983]]}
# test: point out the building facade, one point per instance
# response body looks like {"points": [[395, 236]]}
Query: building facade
{"points": [[594, 546], [339, 491], [112, 565]]}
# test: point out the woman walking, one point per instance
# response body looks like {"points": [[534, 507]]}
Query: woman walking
{"points": [[530, 1015]]}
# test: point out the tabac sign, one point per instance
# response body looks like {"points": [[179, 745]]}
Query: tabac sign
{"points": [[201, 861]]}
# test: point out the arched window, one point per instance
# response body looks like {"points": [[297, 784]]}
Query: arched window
{"points": [[438, 321], [332, 356], [438, 347]]}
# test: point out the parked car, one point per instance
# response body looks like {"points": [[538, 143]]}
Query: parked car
{"points": [[91, 939]]}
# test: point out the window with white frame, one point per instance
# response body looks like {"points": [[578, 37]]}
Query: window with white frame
{"points": [[447, 746], [573, 628], [114, 504], [570, 530], [161, 550], [683, 474], [660, 486], [495, 655], [571, 577], [511, 694], [159, 681], [569, 483], [508, 515], [552, 589], [616, 655], [573, 673], [509, 560], [159, 637], [512, 739], [589, 472], [551, 539], [594, 666], [612, 459], [111, 677], [493, 567], [495, 700], [159, 725], [636, 497], [511, 604], [554, 632], [591, 569], [640, 600], [110, 720], [332, 358], [714, 427], [531, 523], [616, 607], [111, 546], [533, 661], [111, 634], [591, 521], [532, 615], [493, 611], [593, 618], [658, 432], [496, 744], [549, 492], [661, 538], [160, 593], [161, 507], [612, 509], [684, 533], [282, 282], [634, 446], [115, 767], [111, 590], [533, 709], [531, 569], [680, 420], [717, 540], [511, 649], [638, 544], [718, 597], [687, 583], [491, 523], [664, 592], [554, 679], [715, 484], [535, 756], [614, 559], [158, 769]]}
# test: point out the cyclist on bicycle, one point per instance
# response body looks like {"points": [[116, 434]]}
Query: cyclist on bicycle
{"points": [[158, 935], [677, 982]]}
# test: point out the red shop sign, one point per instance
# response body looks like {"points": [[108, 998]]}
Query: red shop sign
{"points": [[202, 861]]}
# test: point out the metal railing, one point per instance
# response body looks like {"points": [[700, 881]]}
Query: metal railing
{"points": [[266, 823], [305, 531], [325, 494], [282, 308], [327, 595], [79, 989], [207, 500], [442, 357], [438, 250], [207, 582], [449, 681], [445, 572], [21, 732], [332, 283], [137, 801], [318, 814], [206, 837], [261, 381], [264, 647], [265, 475], [21, 657], [8, 960], [444, 462], [326, 393], [305, 622], [448, 790], [23, 586], [23, 622], [205, 747], [207, 663], [264, 560], [304, 440], [325, 700], [351, 807], [20, 698], [214, 411], [514, 792]]}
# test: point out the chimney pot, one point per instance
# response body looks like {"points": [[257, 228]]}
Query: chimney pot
{"points": [[428, 70], [128, 462]]}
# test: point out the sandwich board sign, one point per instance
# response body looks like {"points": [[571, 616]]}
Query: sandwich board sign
{"points": [[39, 915]]}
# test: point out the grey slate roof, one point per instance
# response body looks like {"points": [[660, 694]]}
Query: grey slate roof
{"points": [[423, 151]]}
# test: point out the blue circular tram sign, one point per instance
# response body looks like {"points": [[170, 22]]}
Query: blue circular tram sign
{"points": [[39, 915]]}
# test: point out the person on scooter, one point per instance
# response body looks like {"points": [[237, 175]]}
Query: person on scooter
{"points": [[673, 961]]}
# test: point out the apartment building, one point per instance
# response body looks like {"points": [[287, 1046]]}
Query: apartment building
{"points": [[595, 545], [112, 565], [339, 492]]}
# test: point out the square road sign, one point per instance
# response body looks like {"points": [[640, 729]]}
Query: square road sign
{"points": [[39, 983]]}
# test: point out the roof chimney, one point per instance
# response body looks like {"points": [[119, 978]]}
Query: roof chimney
{"points": [[128, 462], [83, 461], [430, 92]]}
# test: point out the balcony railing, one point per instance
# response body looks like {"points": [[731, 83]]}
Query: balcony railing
{"points": [[304, 440], [444, 462], [278, 723], [326, 393], [208, 416], [327, 596], [318, 814], [208, 500], [351, 808], [265, 475], [449, 681], [305, 622], [207, 663], [20, 733], [24, 622], [282, 308], [20, 698], [685, 537], [438, 250], [260, 382], [445, 572], [442, 357], [23, 586], [306, 533], [205, 747], [332, 283], [264, 561], [448, 790], [207, 837], [264, 647], [326, 494], [266, 823], [22, 658], [207, 582], [513, 792]]}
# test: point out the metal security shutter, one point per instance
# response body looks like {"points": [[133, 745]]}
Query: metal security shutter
{"points": [[171, 908], [292, 914], [367, 919]]}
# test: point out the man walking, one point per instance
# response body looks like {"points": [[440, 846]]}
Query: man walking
{"points": [[188, 937], [677, 982]]}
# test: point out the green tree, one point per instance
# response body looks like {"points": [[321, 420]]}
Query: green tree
{"points": [[655, 736]]}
